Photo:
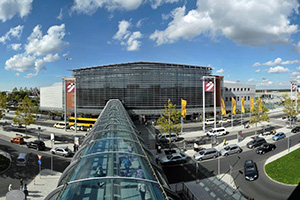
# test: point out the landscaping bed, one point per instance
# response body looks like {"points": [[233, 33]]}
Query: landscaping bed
{"points": [[4, 163], [285, 169]]}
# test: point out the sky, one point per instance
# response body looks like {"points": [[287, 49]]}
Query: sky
{"points": [[250, 41]]}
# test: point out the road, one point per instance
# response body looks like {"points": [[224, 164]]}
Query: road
{"points": [[263, 188], [14, 173]]}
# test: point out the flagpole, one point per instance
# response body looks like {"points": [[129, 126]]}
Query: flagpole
{"points": [[65, 118], [203, 109], [231, 112], [215, 108], [75, 105], [181, 119]]}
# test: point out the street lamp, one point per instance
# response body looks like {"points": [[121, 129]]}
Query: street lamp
{"points": [[39, 130]]}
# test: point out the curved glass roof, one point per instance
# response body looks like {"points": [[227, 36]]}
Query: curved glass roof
{"points": [[113, 163]]}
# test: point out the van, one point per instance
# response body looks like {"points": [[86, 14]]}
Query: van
{"points": [[61, 125], [206, 154], [22, 159], [217, 131], [165, 137]]}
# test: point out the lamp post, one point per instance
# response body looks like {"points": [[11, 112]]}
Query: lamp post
{"points": [[39, 130]]}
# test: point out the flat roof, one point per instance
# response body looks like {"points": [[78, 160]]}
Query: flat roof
{"points": [[140, 63]]}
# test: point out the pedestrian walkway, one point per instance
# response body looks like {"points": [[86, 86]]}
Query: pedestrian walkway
{"points": [[41, 185]]}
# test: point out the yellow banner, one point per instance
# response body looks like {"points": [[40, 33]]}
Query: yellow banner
{"points": [[233, 106], [243, 105], [251, 104], [259, 104], [223, 107], [183, 108]]}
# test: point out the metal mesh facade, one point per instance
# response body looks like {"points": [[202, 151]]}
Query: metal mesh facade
{"points": [[141, 85]]}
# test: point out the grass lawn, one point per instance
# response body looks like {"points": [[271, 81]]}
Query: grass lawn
{"points": [[285, 169], [4, 163]]}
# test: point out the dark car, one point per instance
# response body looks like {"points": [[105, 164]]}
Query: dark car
{"points": [[37, 144], [251, 172], [256, 142], [266, 147], [296, 129]]}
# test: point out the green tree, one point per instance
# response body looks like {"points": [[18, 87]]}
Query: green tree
{"points": [[289, 106], [169, 122], [3, 101], [25, 113], [260, 113]]}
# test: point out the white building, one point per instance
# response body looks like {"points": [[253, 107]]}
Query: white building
{"points": [[51, 97], [238, 90]]}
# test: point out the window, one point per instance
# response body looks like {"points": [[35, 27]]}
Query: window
{"points": [[233, 89], [241, 89], [229, 89], [248, 89], [248, 98], [237, 89], [226, 99], [230, 99], [226, 89], [238, 98]]}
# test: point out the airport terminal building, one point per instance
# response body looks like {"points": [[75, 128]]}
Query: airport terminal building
{"points": [[143, 87]]}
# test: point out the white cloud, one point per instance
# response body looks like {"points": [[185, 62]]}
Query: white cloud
{"points": [[38, 51], [298, 47], [132, 43], [51, 58], [15, 47], [220, 71], [157, 3], [122, 32], [277, 61], [265, 82], [251, 80], [60, 15], [20, 62], [298, 68], [269, 22], [294, 74], [127, 38], [10, 8], [277, 70], [89, 7], [257, 71], [50, 43], [17, 74], [140, 22], [15, 32]]}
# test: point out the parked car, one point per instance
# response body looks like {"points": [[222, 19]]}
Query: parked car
{"points": [[174, 158], [79, 128], [36, 144], [63, 151], [217, 131], [296, 129], [61, 125], [278, 136], [251, 172], [206, 154], [266, 147], [22, 159], [210, 121], [165, 137], [18, 140], [256, 142], [17, 125], [224, 120], [230, 149]]}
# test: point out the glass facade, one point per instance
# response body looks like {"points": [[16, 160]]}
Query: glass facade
{"points": [[141, 85], [113, 163]]}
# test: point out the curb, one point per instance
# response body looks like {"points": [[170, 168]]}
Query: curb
{"points": [[285, 184]]}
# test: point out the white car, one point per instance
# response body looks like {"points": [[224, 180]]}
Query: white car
{"points": [[79, 128], [217, 131], [224, 120], [63, 151], [210, 121], [61, 125]]}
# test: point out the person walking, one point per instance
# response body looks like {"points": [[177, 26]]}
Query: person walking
{"points": [[142, 190], [224, 142], [10, 187]]}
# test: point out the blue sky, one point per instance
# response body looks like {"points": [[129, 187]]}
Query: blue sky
{"points": [[252, 41]]}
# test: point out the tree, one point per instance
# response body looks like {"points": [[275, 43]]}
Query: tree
{"points": [[259, 114], [289, 106], [3, 101], [25, 113], [169, 122]]}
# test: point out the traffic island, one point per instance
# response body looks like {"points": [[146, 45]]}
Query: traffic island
{"points": [[285, 169]]}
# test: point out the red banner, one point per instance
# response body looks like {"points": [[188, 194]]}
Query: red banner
{"points": [[209, 86]]}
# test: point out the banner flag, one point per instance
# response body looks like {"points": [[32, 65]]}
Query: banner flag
{"points": [[243, 105], [223, 107], [209, 86], [183, 108], [251, 104], [233, 106]]}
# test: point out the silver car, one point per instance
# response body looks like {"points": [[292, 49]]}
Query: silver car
{"points": [[230, 149], [63, 151], [206, 154]]}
